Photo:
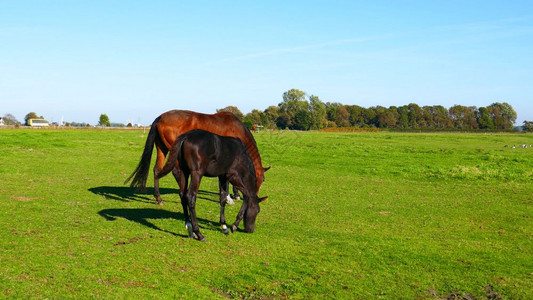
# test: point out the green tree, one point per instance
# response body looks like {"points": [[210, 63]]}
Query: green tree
{"points": [[414, 115], [458, 115], [104, 120], [428, 116], [440, 116], [29, 116], [503, 115], [233, 109], [386, 118], [528, 126], [342, 119], [356, 115], [318, 113], [283, 120], [484, 120], [369, 115], [471, 117], [403, 120], [464, 117], [293, 103], [271, 115], [331, 110], [302, 120], [254, 117], [293, 96]]}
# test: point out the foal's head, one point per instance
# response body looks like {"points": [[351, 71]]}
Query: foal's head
{"points": [[251, 213], [249, 179]]}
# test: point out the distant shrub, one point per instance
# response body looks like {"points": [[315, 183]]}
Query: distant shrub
{"points": [[350, 129]]}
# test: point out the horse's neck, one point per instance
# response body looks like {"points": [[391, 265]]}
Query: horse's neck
{"points": [[248, 178], [252, 150]]}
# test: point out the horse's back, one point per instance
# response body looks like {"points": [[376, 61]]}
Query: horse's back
{"points": [[209, 152], [177, 122]]}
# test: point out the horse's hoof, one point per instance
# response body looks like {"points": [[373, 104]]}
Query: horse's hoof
{"points": [[233, 228], [238, 198], [202, 240], [225, 229], [160, 202]]}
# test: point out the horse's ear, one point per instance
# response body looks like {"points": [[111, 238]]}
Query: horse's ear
{"points": [[266, 169], [263, 199]]}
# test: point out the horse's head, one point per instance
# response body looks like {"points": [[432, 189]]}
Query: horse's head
{"points": [[251, 213]]}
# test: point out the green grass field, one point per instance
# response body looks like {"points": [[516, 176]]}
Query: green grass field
{"points": [[349, 215]]}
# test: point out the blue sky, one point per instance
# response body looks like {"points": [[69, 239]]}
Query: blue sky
{"points": [[134, 60]]}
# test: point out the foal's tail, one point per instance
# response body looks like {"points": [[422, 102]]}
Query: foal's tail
{"points": [[172, 157], [140, 175]]}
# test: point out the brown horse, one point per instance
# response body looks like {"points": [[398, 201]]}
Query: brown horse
{"points": [[167, 127]]}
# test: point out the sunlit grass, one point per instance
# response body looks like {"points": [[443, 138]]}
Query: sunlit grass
{"points": [[349, 215]]}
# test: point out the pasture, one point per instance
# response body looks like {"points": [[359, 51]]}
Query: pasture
{"points": [[349, 215]]}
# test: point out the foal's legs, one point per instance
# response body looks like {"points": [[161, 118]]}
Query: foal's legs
{"points": [[238, 184], [236, 195], [240, 215], [191, 197], [223, 186], [183, 182], [177, 173]]}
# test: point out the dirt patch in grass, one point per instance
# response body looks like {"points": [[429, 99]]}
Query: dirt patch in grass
{"points": [[132, 240], [24, 199]]}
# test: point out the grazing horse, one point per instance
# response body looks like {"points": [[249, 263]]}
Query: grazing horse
{"points": [[171, 124], [201, 153]]}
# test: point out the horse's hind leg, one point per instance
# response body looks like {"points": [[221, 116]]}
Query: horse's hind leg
{"points": [[183, 181], [236, 195], [227, 197], [159, 163], [177, 175], [223, 186], [191, 197]]}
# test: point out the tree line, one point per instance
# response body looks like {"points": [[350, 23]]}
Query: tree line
{"points": [[298, 111]]}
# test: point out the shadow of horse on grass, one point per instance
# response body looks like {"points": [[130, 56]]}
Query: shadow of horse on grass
{"points": [[143, 215], [128, 194]]}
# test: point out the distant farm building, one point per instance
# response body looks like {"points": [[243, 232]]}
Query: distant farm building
{"points": [[38, 123]]}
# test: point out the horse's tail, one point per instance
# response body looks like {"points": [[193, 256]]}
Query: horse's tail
{"points": [[140, 175], [172, 157]]}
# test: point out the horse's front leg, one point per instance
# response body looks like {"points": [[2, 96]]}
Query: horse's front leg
{"points": [[159, 163], [191, 197], [240, 215], [223, 186]]}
